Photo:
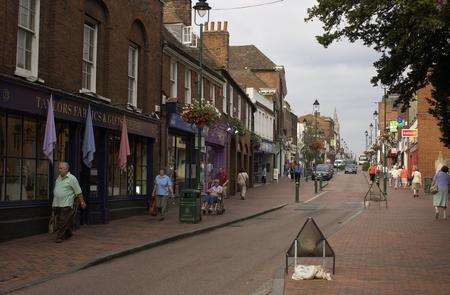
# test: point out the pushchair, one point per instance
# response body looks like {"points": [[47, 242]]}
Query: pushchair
{"points": [[216, 208]]}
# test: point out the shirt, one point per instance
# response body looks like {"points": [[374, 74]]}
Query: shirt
{"points": [[442, 180], [222, 177], [404, 173], [416, 177], [215, 190], [65, 191], [298, 169], [162, 184]]}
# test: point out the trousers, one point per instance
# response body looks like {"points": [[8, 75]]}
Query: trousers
{"points": [[64, 217]]}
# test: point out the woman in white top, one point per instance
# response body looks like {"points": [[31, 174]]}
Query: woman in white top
{"points": [[416, 181], [242, 180]]}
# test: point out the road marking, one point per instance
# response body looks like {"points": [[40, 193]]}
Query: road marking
{"points": [[315, 197]]}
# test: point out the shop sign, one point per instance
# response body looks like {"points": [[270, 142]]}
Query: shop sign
{"points": [[178, 123], [409, 132], [267, 147], [36, 102], [393, 125], [217, 135]]}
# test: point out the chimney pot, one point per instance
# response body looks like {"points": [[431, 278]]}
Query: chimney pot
{"points": [[212, 26], [206, 26], [225, 26], [219, 26]]}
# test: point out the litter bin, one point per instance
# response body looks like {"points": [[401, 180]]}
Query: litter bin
{"points": [[190, 206], [427, 184]]}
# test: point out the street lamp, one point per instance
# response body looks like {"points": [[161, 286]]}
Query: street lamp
{"points": [[316, 109], [375, 119], [201, 9], [371, 133], [366, 134]]}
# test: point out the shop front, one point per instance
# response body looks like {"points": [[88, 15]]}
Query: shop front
{"points": [[263, 158], [27, 176], [216, 152], [181, 151]]}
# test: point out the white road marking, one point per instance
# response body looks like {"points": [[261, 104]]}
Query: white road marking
{"points": [[315, 197]]}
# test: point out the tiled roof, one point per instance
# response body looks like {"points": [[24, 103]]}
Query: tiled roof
{"points": [[249, 56], [246, 78]]}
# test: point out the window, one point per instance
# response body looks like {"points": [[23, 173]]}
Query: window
{"points": [[212, 93], [132, 74], [239, 106], [28, 38], [89, 57], [187, 86], [224, 95], [133, 181], [231, 98], [173, 79]]}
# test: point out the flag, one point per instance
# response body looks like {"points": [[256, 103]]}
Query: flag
{"points": [[124, 150], [50, 132], [89, 140]]}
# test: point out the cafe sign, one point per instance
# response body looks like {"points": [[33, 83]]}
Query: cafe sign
{"points": [[409, 133]]}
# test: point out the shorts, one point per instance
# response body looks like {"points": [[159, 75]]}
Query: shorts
{"points": [[372, 177], [416, 185], [212, 200]]}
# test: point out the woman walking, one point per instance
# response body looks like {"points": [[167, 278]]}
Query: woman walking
{"points": [[162, 190], [404, 177], [416, 181], [440, 199], [242, 180]]}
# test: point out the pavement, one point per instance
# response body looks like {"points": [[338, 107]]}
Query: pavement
{"points": [[399, 250], [29, 261]]}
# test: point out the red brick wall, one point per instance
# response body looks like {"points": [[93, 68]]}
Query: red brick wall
{"points": [[177, 11], [429, 144], [61, 46], [217, 43]]}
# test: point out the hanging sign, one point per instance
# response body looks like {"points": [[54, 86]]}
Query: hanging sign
{"points": [[393, 125], [409, 132]]}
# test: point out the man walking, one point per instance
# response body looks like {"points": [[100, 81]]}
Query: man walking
{"points": [[67, 191], [162, 189], [298, 170]]}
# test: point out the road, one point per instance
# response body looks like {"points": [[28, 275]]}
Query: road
{"points": [[238, 259]]}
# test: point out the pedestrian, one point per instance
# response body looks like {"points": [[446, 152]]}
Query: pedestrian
{"points": [[404, 177], [440, 199], [394, 177], [66, 194], [416, 181], [291, 171], [264, 175], [372, 172], [242, 180], [223, 181], [214, 192], [162, 189], [298, 170]]}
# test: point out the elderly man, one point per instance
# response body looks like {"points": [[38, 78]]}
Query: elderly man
{"points": [[66, 192]]}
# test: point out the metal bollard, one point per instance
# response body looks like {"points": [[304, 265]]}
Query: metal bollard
{"points": [[315, 185], [321, 183], [297, 191]]}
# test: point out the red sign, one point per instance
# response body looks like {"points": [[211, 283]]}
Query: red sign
{"points": [[409, 132]]}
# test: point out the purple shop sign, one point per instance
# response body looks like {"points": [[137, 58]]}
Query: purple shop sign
{"points": [[217, 135]]}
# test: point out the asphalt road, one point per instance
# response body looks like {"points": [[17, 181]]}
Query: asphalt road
{"points": [[238, 259]]}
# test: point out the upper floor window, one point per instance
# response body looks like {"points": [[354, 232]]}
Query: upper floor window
{"points": [[239, 107], [89, 57], [132, 74], [187, 86], [212, 93], [224, 100], [231, 98], [173, 78], [28, 38]]}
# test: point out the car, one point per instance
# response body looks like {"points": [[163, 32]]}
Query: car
{"points": [[362, 159], [351, 169], [325, 171], [338, 163]]}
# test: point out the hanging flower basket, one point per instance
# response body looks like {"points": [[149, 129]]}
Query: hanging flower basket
{"points": [[202, 115]]}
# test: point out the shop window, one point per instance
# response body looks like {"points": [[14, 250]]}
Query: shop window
{"points": [[132, 181], [23, 166], [173, 79], [187, 86]]}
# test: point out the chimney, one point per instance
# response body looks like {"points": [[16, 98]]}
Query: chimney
{"points": [[217, 43], [177, 11]]}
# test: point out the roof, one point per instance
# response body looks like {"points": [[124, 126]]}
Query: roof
{"points": [[247, 79], [249, 56]]}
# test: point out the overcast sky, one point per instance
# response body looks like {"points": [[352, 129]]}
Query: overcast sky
{"points": [[338, 76]]}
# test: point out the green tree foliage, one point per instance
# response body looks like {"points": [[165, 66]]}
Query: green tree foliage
{"points": [[309, 148], [413, 38]]}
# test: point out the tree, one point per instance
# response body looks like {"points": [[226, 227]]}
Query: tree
{"points": [[413, 38], [312, 144]]}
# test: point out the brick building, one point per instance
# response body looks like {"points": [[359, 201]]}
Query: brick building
{"points": [[100, 54]]}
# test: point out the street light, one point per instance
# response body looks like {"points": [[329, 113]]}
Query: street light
{"points": [[316, 109], [375, 119], [201, 9], [371, 133], [366, 134]]}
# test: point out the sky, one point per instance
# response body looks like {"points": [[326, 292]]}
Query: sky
{"points": [[338, 76]]}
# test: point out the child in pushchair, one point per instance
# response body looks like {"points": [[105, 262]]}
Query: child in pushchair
{"points": [[213, 201]]}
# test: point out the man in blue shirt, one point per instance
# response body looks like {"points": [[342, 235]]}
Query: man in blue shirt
{"points": [[162, 189], [298, 170]]}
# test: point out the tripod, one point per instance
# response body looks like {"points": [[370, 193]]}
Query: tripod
{"points": [[379, 196]]}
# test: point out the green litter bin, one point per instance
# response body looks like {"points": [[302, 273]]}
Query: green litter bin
{"points": [[190, 206], [427, 184]]}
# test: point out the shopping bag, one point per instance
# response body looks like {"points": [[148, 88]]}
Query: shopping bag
{"points": [[52, 223], [152, 208]]}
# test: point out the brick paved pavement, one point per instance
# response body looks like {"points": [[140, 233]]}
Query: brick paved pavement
{"points": [[399, 250], [31, 259]]}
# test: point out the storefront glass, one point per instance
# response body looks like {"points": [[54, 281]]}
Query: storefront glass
{"points": [[178, 161]]}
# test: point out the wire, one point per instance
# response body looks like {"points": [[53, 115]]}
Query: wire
{"points": [[249, 6]]}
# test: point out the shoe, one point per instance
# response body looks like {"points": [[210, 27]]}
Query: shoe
{"points": [[59, 240], [436, 215]]}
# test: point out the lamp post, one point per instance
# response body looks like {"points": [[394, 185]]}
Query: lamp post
{"points": [[367, 143], [201, 10], [371, 133], [375, 119], [316, 109], [384, 144]]}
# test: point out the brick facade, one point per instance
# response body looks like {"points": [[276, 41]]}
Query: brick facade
{"points": [[178, 11]]}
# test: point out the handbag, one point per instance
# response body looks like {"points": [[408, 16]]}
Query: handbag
{"points": [[434, 189], [152, 208]]}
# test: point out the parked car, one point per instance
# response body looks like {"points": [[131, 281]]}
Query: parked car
{"points": [[323, 170], [339, 163], [351, 169]]}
